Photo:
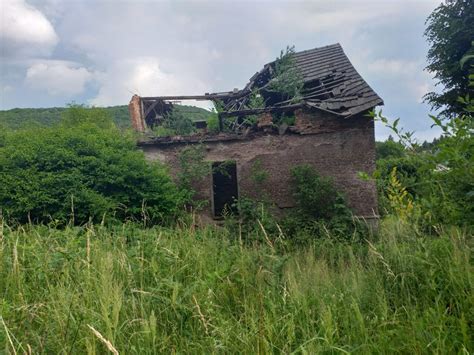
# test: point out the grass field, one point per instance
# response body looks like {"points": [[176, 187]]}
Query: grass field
{"points": [[186, 290]]}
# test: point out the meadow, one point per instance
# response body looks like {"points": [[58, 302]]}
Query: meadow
{"points": [[128, 289], [99, 252]]}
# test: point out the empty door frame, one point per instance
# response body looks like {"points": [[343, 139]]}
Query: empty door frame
{"points": [[225, 188]]}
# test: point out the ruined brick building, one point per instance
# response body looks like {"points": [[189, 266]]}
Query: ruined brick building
{"points": [[327, 127]]}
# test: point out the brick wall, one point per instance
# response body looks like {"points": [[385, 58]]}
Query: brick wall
{"points": [[335, 147]]}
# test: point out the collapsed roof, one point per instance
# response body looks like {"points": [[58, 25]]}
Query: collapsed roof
{"points": [[330, 83]]}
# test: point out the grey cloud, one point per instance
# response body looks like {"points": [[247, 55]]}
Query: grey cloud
{"points": [[24, 31], [198, 46]]}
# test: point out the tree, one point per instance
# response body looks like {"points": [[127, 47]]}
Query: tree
{"points": [[176, 122], [287, 78], [389, 149], [79, 170], [450, 32]]}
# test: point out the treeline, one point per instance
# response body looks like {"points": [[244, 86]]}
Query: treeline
{"points": [[29, 117]]}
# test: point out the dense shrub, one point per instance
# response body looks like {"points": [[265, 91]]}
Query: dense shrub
{"points": [[316, 196], [411, 171], [439, 179], [321, 210], [84, 168], [389, 149]]}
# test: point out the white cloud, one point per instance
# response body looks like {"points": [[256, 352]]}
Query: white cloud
{"points": [[58, 78], [412, 81], [24, 30], [394, 66], [204, 46], [143, 76], [343, 17]]}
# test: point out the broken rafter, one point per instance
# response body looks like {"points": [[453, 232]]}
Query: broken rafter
{"points": [[183, 97], [215, 96], [151, 107], [259, 110]]}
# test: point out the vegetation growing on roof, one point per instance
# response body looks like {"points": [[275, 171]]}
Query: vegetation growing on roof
{"points": [[287, 78], [213, 118], [256, 101]]}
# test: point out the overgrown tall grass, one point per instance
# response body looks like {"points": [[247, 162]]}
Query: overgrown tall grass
{"points": [[95, 289]]}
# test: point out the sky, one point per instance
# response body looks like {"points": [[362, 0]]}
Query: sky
{"points": [[54, 52]]}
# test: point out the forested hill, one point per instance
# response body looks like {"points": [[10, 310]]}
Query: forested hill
{"points": [[20, 117]]}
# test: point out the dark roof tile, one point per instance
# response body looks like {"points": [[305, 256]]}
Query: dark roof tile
{"points": [[330, 65], [330, 82]]}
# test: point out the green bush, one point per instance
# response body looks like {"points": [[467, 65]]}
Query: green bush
{"points": [[213, 123], [321, 210], [83, 168], [251, 219], [411, 171], [389, 149], [439, 179], [316, 197]]}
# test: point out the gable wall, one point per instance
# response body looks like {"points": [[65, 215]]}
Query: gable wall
{"points": [[335, 147]]}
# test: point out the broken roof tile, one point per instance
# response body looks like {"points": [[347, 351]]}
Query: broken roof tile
{"points": [[330, 77]]}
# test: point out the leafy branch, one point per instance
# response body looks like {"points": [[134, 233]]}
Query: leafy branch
{"points": [[287, 78]]}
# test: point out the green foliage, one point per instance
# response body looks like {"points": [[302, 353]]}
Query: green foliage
{"points": [[315, 196], [412, 172], [283, 118], [250, 215], [213, 123], [213, 118], [454, 178], [389, 149], [441, 180], [256, 100], [162, 131], [29, 117], [287, 78], [83, 168], [253, 219], [176, 123], [192, 112], [218, 105], [442, 183], [194, 291], [192, 169], [450, 33], [321, 211], [77, 115]]}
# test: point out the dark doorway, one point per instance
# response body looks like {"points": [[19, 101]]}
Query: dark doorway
{"points": [[224, 186]]}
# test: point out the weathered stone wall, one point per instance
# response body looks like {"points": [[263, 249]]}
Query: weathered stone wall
{"points": [[335, 147]]}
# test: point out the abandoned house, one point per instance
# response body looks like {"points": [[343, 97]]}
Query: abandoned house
{"points": [[263, 133]]}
